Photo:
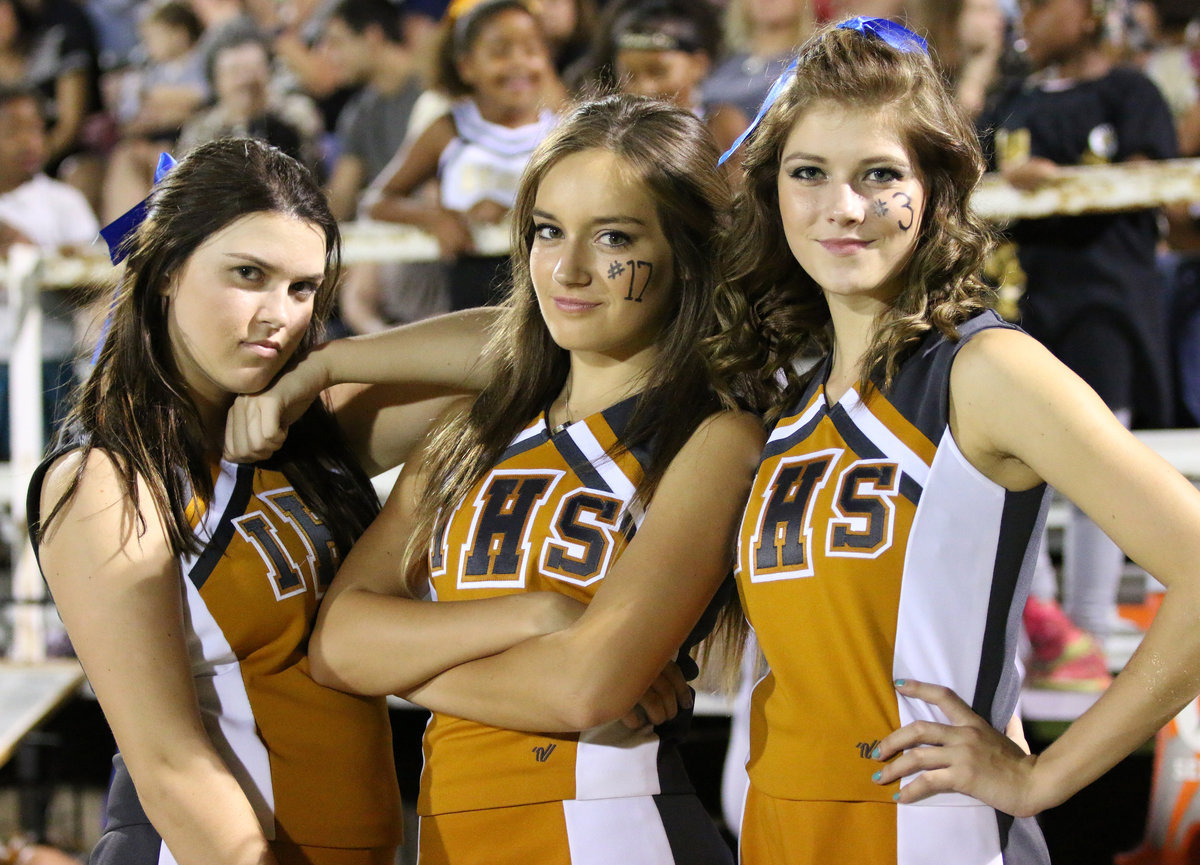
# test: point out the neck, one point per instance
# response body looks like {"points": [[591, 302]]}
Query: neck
{"points": [[1086, 65], [510, 117], [392, 71], [595, 383], [853, 328]]}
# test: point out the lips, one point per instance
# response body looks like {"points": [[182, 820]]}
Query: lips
{"points": [[844, 245], [573, 304], [264, 348]]}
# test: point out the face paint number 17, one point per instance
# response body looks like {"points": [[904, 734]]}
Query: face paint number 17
{"points": [[636, 270]]}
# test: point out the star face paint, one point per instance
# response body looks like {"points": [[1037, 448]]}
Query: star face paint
{"points": [[600, 264]]}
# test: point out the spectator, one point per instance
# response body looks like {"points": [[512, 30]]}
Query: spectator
{"points": [[493, 58], [664, 49], [63, 64], [38, 210], [967, 39], [239, 73], [1092, 294], [761, 37], [365, 41], [157, 99]]}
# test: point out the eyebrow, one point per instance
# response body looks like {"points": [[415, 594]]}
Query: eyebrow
{"points": [[599, 220], [266, 265], [812, 157]]}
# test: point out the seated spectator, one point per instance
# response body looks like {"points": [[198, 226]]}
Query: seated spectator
{"points": [[761, 39], [365, 41], [967, 39], [240, 76], [493, 58], [37, 210], [156, 99], [664, 49], [63, 65], [14, 42]]}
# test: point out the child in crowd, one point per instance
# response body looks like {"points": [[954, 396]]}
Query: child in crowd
{"points": [[1092, 293], [154, 101], [664, 49], [493, 58], [761, 37]]}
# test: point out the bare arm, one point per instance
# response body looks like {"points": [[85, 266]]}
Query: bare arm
{"points": [[345, 182], [595, 670], [371, 638], [392, 196], [71, 99], [1020, 416], [120, 597], [412, 369]]}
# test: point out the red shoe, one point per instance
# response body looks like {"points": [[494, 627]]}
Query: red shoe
{"points": [[1065, 658]]}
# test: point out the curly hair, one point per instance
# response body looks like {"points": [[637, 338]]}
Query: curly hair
{"points": [[771, 310]]}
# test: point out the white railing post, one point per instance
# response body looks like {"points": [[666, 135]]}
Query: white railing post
{"points": [[26, 443]]}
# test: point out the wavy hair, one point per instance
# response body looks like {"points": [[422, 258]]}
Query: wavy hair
{"points": [[135, 405], [772, 311]]}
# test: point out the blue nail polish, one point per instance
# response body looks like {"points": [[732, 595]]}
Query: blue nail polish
{"points": [[877, 775], [875, 753], [900, 683], [895, 797]]}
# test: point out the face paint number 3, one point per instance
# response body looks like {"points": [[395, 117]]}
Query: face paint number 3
{"points": [[880, 208], [636, 270]]}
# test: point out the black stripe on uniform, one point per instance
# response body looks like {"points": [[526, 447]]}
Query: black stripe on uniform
{"points": [[527, 444], [128, 837], [778, 446], [866, 449], [691, 833], [243, 488], [1018, 521]]}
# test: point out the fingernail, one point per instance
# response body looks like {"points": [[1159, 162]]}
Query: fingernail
{"points": [[895, 797], [877, 776], [900, 683], [875, 753]]}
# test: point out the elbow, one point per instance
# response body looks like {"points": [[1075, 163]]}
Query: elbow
{"points": [[595, 702], [332, 665]]}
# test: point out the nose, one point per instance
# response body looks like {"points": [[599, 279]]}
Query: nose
{"points": [[847, 206], [572, 267], [272, 307]]}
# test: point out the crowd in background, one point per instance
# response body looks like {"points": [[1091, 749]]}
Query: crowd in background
{"points": [[350, 87]]}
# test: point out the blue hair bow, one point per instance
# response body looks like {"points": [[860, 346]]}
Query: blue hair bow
{"points": [[120, 229], [895, 35]]}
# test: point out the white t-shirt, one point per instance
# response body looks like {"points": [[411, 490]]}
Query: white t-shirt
{"points": [[51, 214]]}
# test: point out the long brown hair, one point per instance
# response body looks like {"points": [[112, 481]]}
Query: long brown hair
{"points": [[135, 406], [674, 156], [773, 312]]}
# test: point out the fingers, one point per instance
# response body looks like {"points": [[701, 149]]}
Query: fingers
{"points": [[253, 430], [953, 706], [667, 694], [636, 719]]}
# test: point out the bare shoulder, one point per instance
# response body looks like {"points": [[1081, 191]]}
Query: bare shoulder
{"points": [[995, 354], [100, 514], [741, 427], [731, 439]]}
